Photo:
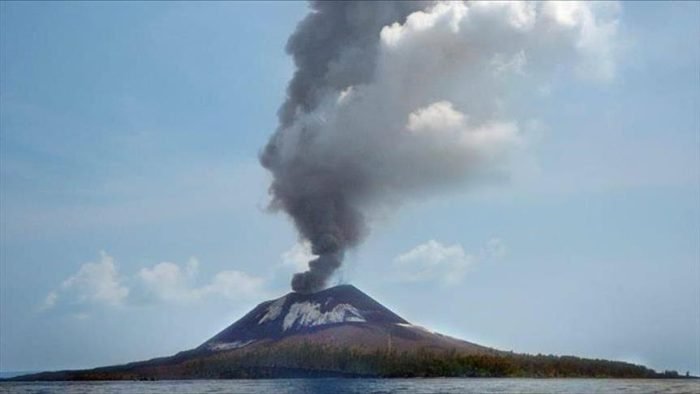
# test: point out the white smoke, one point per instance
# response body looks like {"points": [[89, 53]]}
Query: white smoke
{"points": [[436, 111]]}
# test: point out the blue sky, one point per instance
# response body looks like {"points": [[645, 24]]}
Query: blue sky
{"points": [[129, 136]]}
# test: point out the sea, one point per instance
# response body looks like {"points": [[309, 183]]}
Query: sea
{"points": [[363, 386]]}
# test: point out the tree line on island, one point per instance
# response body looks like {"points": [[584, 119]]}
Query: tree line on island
{"points": [[314, 360], [421, 363]]}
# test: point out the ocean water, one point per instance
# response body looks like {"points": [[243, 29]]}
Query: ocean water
{"points": [[362, 386]]}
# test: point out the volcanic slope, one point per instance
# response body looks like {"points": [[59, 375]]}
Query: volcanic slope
{"points": [[341, 316]]}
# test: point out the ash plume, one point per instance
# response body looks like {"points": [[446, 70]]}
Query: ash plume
{"points": [[396, 100]]}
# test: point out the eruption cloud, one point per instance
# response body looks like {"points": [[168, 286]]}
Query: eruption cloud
{"points": [[396, 100]]}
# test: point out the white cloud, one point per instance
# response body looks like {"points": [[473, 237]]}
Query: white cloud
{"points": [[233, 285], [434, 261], [582, 34], [596, 25], [171, 283], [95, 282], [167, 281], [446, 130], [100, 283], [298, 256], [447, 264]]}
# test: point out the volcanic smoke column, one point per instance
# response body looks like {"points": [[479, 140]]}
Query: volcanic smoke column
{"points": [[398, 100], [334, 47]]}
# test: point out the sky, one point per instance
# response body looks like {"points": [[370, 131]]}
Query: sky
{"points": [[133, 220]]}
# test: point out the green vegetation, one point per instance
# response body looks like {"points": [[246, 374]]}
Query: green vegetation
{"points": [[313, 360], [317, 360]]}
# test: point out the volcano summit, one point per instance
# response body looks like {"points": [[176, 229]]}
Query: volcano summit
{"points": [[341, 316], [340, 331]]}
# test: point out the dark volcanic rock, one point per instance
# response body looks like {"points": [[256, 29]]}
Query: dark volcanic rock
{"points": [[341, 316], [297, 313]]}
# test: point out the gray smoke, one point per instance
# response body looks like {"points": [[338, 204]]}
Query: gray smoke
{"points": [[334, 47], [396, 99]]}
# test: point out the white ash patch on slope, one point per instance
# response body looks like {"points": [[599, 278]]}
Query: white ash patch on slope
{"points": [[274, 310], [421, 328], [413, 326], [230, 345], [308, 314]]}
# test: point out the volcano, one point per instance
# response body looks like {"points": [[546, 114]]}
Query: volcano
{"points": [[340, 331], [341, 316]]}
